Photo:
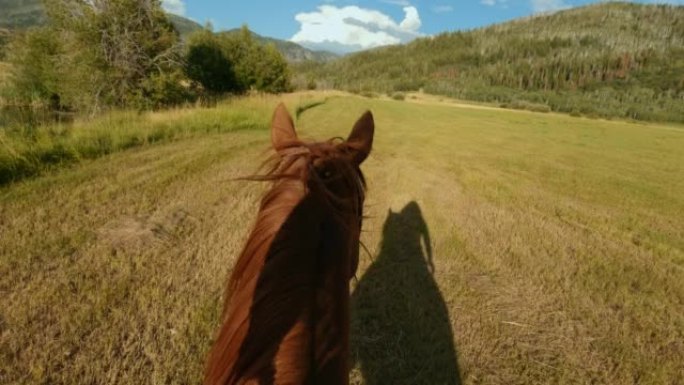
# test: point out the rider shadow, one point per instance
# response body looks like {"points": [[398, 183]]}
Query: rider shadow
{"points": [[401, 333]]}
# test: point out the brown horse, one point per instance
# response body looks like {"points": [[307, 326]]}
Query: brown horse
{"points": [[286, 313]]}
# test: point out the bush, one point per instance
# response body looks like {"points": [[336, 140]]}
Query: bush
{"points": [[398, 96], [164, 90]]}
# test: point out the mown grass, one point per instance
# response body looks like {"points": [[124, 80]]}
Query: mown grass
{"points": [[4, 73], [556, 249]]}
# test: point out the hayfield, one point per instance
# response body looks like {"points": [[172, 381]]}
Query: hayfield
{"points": [[4, 74], [505, 247]]}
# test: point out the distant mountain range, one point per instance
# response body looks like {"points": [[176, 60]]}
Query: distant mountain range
{"points": [[293, 52], [20, 14]]}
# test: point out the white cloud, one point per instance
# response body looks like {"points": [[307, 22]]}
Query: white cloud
{"points": [[412, 20], [351, 28], [444, 8], [540, 6], [491, 3], [403, 3], [176, 7]]}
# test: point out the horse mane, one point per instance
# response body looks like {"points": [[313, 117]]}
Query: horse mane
{"points": [[302, 174]]}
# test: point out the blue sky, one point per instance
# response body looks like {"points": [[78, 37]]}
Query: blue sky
{"points": [[351, 25]]}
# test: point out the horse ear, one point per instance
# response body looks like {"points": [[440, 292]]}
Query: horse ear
{"points": [[282, 128], [361, 137]]}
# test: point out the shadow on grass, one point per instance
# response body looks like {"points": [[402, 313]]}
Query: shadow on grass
{"points": [[401, 333], [307, 106]]}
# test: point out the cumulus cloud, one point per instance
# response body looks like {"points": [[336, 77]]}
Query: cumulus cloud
{"points": [[176, 7], [412, 20], [540, 6], [351, 28]]}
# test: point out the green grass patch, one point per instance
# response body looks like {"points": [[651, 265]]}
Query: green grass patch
{"points": [[28, 150]]}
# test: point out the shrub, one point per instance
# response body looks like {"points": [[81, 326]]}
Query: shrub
{"points": [[525, 105], [34, 66]]}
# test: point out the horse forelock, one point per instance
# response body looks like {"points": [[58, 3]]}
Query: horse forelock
{"points": [[308, 162]]}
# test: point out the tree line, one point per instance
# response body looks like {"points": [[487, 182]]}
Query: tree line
{"points": [[100, 54]]}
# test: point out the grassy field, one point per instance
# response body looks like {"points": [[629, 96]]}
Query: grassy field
{"points": [[506, 247], [4, 74]]}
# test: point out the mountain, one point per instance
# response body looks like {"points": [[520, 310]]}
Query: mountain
{"points": [[183, 26], [293, 52], [607, 59]]}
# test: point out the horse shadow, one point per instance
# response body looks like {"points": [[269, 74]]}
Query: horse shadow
{"points": [[400, 328]]}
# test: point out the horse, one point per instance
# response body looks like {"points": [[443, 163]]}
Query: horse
{"points": [[286, 306]]}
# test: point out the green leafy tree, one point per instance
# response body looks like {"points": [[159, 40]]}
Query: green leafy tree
{"points": [[34, 57], [208, 64], [272, 73], [229, 62], [258, 66], [105, 53], [121, 43]]}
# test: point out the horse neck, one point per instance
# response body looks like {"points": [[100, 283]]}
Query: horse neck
{"points": [[286, 316]]}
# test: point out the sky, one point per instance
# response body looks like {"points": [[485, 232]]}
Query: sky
{"points": [[344, 26]]}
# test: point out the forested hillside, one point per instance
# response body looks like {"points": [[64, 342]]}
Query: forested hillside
{"points": [[610, 59]]}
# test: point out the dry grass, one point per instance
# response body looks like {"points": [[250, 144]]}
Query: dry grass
{"points": [[557, 245], [4, 80], [4, 72]]}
